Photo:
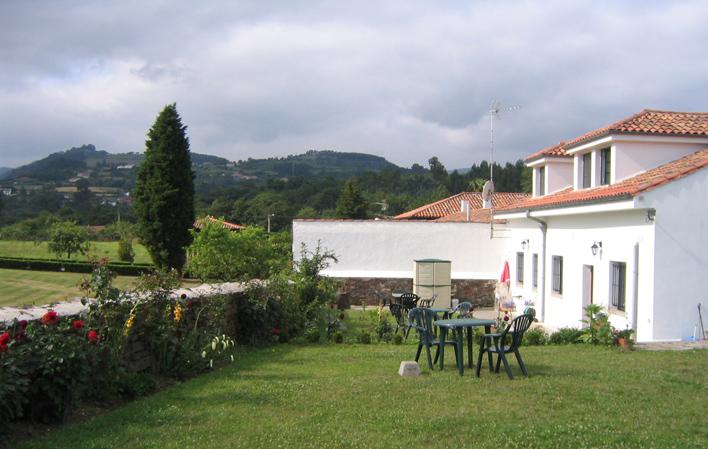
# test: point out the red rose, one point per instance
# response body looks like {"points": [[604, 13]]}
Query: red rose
{"points": [[275, 331], [4, 339], [22, 324], [50, 318], [506, 317], [77, 324], [92, 336], [183, 296]]}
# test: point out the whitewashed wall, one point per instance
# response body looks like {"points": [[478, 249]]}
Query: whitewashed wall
{"points": [[387, 249], [572, 237], [681, 279], [632, 158]]}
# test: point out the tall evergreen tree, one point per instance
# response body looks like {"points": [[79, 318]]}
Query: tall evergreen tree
{"points": [[351, 203], [164, 191]]}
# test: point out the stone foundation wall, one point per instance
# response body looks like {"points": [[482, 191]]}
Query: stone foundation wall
{"points": [[372, 290]]}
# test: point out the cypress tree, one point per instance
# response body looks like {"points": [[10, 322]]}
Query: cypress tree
{"points": [[164, 191], [351, 203]]}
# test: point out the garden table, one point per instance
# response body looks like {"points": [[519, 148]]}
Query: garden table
{"points": [[458, 326]]}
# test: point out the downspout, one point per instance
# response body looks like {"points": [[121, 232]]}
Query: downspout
{"points": [[544, 227]]}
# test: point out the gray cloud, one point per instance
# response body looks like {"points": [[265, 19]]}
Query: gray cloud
{"points": [[406, 80]]}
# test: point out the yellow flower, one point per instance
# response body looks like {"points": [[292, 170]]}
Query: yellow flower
{"points": [[178, 313], [129, 324]]}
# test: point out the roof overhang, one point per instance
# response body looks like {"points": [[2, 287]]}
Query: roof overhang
{"points": [[589, 207], [549, 159], [605, 140]]}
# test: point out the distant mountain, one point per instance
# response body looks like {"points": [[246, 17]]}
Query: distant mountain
{"points": [[5, 172], [104, 169], [314, 163]]}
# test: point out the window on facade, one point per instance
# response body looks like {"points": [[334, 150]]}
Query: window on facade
{"points": [[618, 278], [605, 166], [541, 188], [586, 170], [557, 274], [534, 270], [520, 268]]}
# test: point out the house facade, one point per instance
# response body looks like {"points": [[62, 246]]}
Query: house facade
{"points": [[618, 217]]}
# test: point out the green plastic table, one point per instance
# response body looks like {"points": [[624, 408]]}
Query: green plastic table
{"points": [[458, 326]]}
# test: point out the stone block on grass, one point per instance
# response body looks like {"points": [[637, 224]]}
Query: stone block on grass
{"points": [[409, 369]]}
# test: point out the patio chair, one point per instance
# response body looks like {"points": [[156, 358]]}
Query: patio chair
{"points": [[426, 303], [421, 319], [409, 301], [464, 309], [505, 342]]}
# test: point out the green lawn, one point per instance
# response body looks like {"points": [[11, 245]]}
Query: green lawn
{"points": [[27, 287], [350, 396], [15, 248]]}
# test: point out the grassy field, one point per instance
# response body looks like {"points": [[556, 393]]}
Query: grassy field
{"points": [[350, 396], [14, 248], [25, 287]]}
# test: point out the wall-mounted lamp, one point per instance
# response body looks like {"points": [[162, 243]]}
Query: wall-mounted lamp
{"points": [[651, 213], [524, 244], [595, 247]]}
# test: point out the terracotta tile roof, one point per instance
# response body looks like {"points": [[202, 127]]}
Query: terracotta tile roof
{"points": [[451, 205], [557, 150], [653, 122], [625, 189], [476, 216], [199, 223], [646, 122]]}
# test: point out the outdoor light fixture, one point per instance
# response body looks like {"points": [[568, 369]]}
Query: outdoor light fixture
{"points": [[524, 244], [595, 247], [651, 213]]}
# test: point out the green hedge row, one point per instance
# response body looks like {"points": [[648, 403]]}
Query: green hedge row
{"points": [[74, 266]]}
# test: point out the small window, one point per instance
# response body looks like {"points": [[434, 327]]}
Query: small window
{"points": [[605, 167], [520, 268], [557, 274], [587, 166], [618, 282], [534, 270], [541, 181]]}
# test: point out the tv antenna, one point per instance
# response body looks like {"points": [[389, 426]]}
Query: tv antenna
{"points": [[495, 108]]}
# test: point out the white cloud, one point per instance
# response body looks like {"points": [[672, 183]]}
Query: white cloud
{"points": [[406, 80]]}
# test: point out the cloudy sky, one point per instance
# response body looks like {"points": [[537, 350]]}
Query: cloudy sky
{"points": [[402, 79]]}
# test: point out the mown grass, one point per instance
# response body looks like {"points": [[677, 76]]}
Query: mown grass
{"points": [[350, 396], [16, 248], [28, 287]]}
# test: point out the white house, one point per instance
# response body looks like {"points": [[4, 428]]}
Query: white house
{"points": [[619, 218]]}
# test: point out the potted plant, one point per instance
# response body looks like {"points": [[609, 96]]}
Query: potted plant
{"points": [[624, 338]]}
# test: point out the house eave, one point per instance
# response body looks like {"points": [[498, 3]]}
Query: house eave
{"points": [[623, 202]]}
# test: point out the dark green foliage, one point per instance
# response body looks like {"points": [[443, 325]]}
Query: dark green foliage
{"points": [[565, 335], [535, 337], [351, 203], [72, 266], [135, 385], [164, 191], [364, 338]]}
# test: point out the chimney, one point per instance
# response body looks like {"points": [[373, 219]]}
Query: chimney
{"points": [[465, 208]]}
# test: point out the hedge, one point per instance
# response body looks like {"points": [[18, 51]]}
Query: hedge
{"points": [[74, 266]]}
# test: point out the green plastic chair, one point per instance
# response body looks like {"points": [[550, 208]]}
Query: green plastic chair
{"points": [[505, 342], [421, 319]]}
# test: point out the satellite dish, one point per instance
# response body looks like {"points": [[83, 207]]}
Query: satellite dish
{"points": [[487, 191]]}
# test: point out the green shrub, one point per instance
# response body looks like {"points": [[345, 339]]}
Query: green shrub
{"points": [[565, 335], [313, 335], [364, 338], [135, 385], [338, 337], [125, 251], [535, 337], [397, 339]]}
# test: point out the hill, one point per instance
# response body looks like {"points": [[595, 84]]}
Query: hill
{"points": [[314, 163]]}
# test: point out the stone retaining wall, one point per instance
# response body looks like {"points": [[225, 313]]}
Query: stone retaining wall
{"points": [[372, 290]]}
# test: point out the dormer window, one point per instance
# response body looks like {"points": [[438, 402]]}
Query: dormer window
{"points": [[605, 167], [586, 170], [541, 187]]}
